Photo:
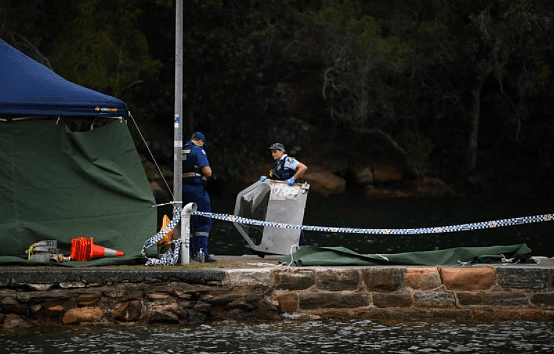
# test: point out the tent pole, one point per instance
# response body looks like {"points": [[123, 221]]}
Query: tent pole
{"points": [[178, 118]]}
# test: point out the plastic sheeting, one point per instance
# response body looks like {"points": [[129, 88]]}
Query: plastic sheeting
{"points": [[272, 201], [340, 256]]}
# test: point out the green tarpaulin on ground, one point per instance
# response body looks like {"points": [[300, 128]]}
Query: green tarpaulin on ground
{"points": [[57, 184], [340, 256]]}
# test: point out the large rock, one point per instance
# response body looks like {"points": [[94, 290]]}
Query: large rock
{"points": [[364, 175], [468, 279], [83, 314], [127, 310], [12, 321], [325, 183], [387, 171], [432, 187], [369, 172], [422, 278]]}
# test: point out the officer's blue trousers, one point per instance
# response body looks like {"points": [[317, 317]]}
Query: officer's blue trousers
{"points": [[302, 241], [200, 225]]}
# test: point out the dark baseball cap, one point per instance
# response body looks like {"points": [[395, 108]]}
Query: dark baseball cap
{"points": [[200, 136], [277, 146]]}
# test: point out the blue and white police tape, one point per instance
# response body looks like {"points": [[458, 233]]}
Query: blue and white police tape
{"points": [[172, 255], [417, 231]]}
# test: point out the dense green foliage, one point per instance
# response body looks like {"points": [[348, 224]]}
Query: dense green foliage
{"points": [[459, 89]]}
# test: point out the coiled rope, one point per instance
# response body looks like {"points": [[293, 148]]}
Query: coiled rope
{"points": [[172, 255]]}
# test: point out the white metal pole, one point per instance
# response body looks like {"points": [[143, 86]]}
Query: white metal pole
{"points": [[178, 118], [185, 232]]}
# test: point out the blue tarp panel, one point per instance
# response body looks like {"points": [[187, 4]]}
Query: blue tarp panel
{"points": [[28, 88]]}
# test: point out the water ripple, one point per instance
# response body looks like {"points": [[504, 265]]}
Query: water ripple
{"points": [[295, 336]]}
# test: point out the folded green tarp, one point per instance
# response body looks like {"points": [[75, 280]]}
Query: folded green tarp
{"points": [[61, 185], [340, 256]]}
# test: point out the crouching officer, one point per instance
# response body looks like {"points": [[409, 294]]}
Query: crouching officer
{"points": [[285, 168], [196, 171], [288, 169]]}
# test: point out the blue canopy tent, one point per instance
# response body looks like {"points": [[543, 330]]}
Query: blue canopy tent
{"points": [[60, 184], [28, 88]]}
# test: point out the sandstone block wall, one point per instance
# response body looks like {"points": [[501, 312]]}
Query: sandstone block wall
{"points": [[488, 292], [30, 298]]}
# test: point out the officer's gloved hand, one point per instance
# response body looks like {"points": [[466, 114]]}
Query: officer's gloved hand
{"points": [[263, 178], [291, 181]]}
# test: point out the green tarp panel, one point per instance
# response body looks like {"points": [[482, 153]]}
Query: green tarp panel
{"points": [[340, 256], [57, 184]]}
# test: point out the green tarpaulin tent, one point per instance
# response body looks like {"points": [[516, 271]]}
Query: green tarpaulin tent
{"points": [[57, 184]]}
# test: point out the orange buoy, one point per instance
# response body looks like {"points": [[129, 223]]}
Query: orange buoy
{"points": [[84, 250]]}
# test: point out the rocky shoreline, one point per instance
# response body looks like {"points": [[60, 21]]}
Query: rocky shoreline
{"points": [[31, 298], [382, 179]]}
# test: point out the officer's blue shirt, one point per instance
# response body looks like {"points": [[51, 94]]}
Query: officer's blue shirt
{"points": [[194, 158], [285, 167]]}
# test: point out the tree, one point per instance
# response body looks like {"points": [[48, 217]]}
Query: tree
{"points": [[396, 70], [363, 68], [231, 65], [102, 47], [476, 55], [508, 32], [452, 87], [31, 26], [94, 43]]}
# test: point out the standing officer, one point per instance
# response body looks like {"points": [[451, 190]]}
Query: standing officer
{"points": [[196, 171], [286, 169]]}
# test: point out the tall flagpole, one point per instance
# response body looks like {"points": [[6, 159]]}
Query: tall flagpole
{"points": [[178, 118]]}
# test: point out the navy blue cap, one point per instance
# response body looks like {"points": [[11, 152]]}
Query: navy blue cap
{"points": [[277, 146], [200, 136]]}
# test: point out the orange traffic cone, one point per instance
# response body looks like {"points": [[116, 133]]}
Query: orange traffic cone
{"points": [[169, 236], [84, 250]]}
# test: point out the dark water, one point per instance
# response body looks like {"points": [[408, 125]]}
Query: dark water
{"points": [[293, 336], [407, 213]]}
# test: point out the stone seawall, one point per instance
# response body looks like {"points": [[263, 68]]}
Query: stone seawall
{"points": [[105, 297]]}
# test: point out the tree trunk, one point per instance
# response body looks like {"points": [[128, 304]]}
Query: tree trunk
{"points": [[475, 116], [473, 130]]}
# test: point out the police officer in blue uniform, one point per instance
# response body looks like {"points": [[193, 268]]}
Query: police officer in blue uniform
{"points": [[196, 171], [288, 169]]}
